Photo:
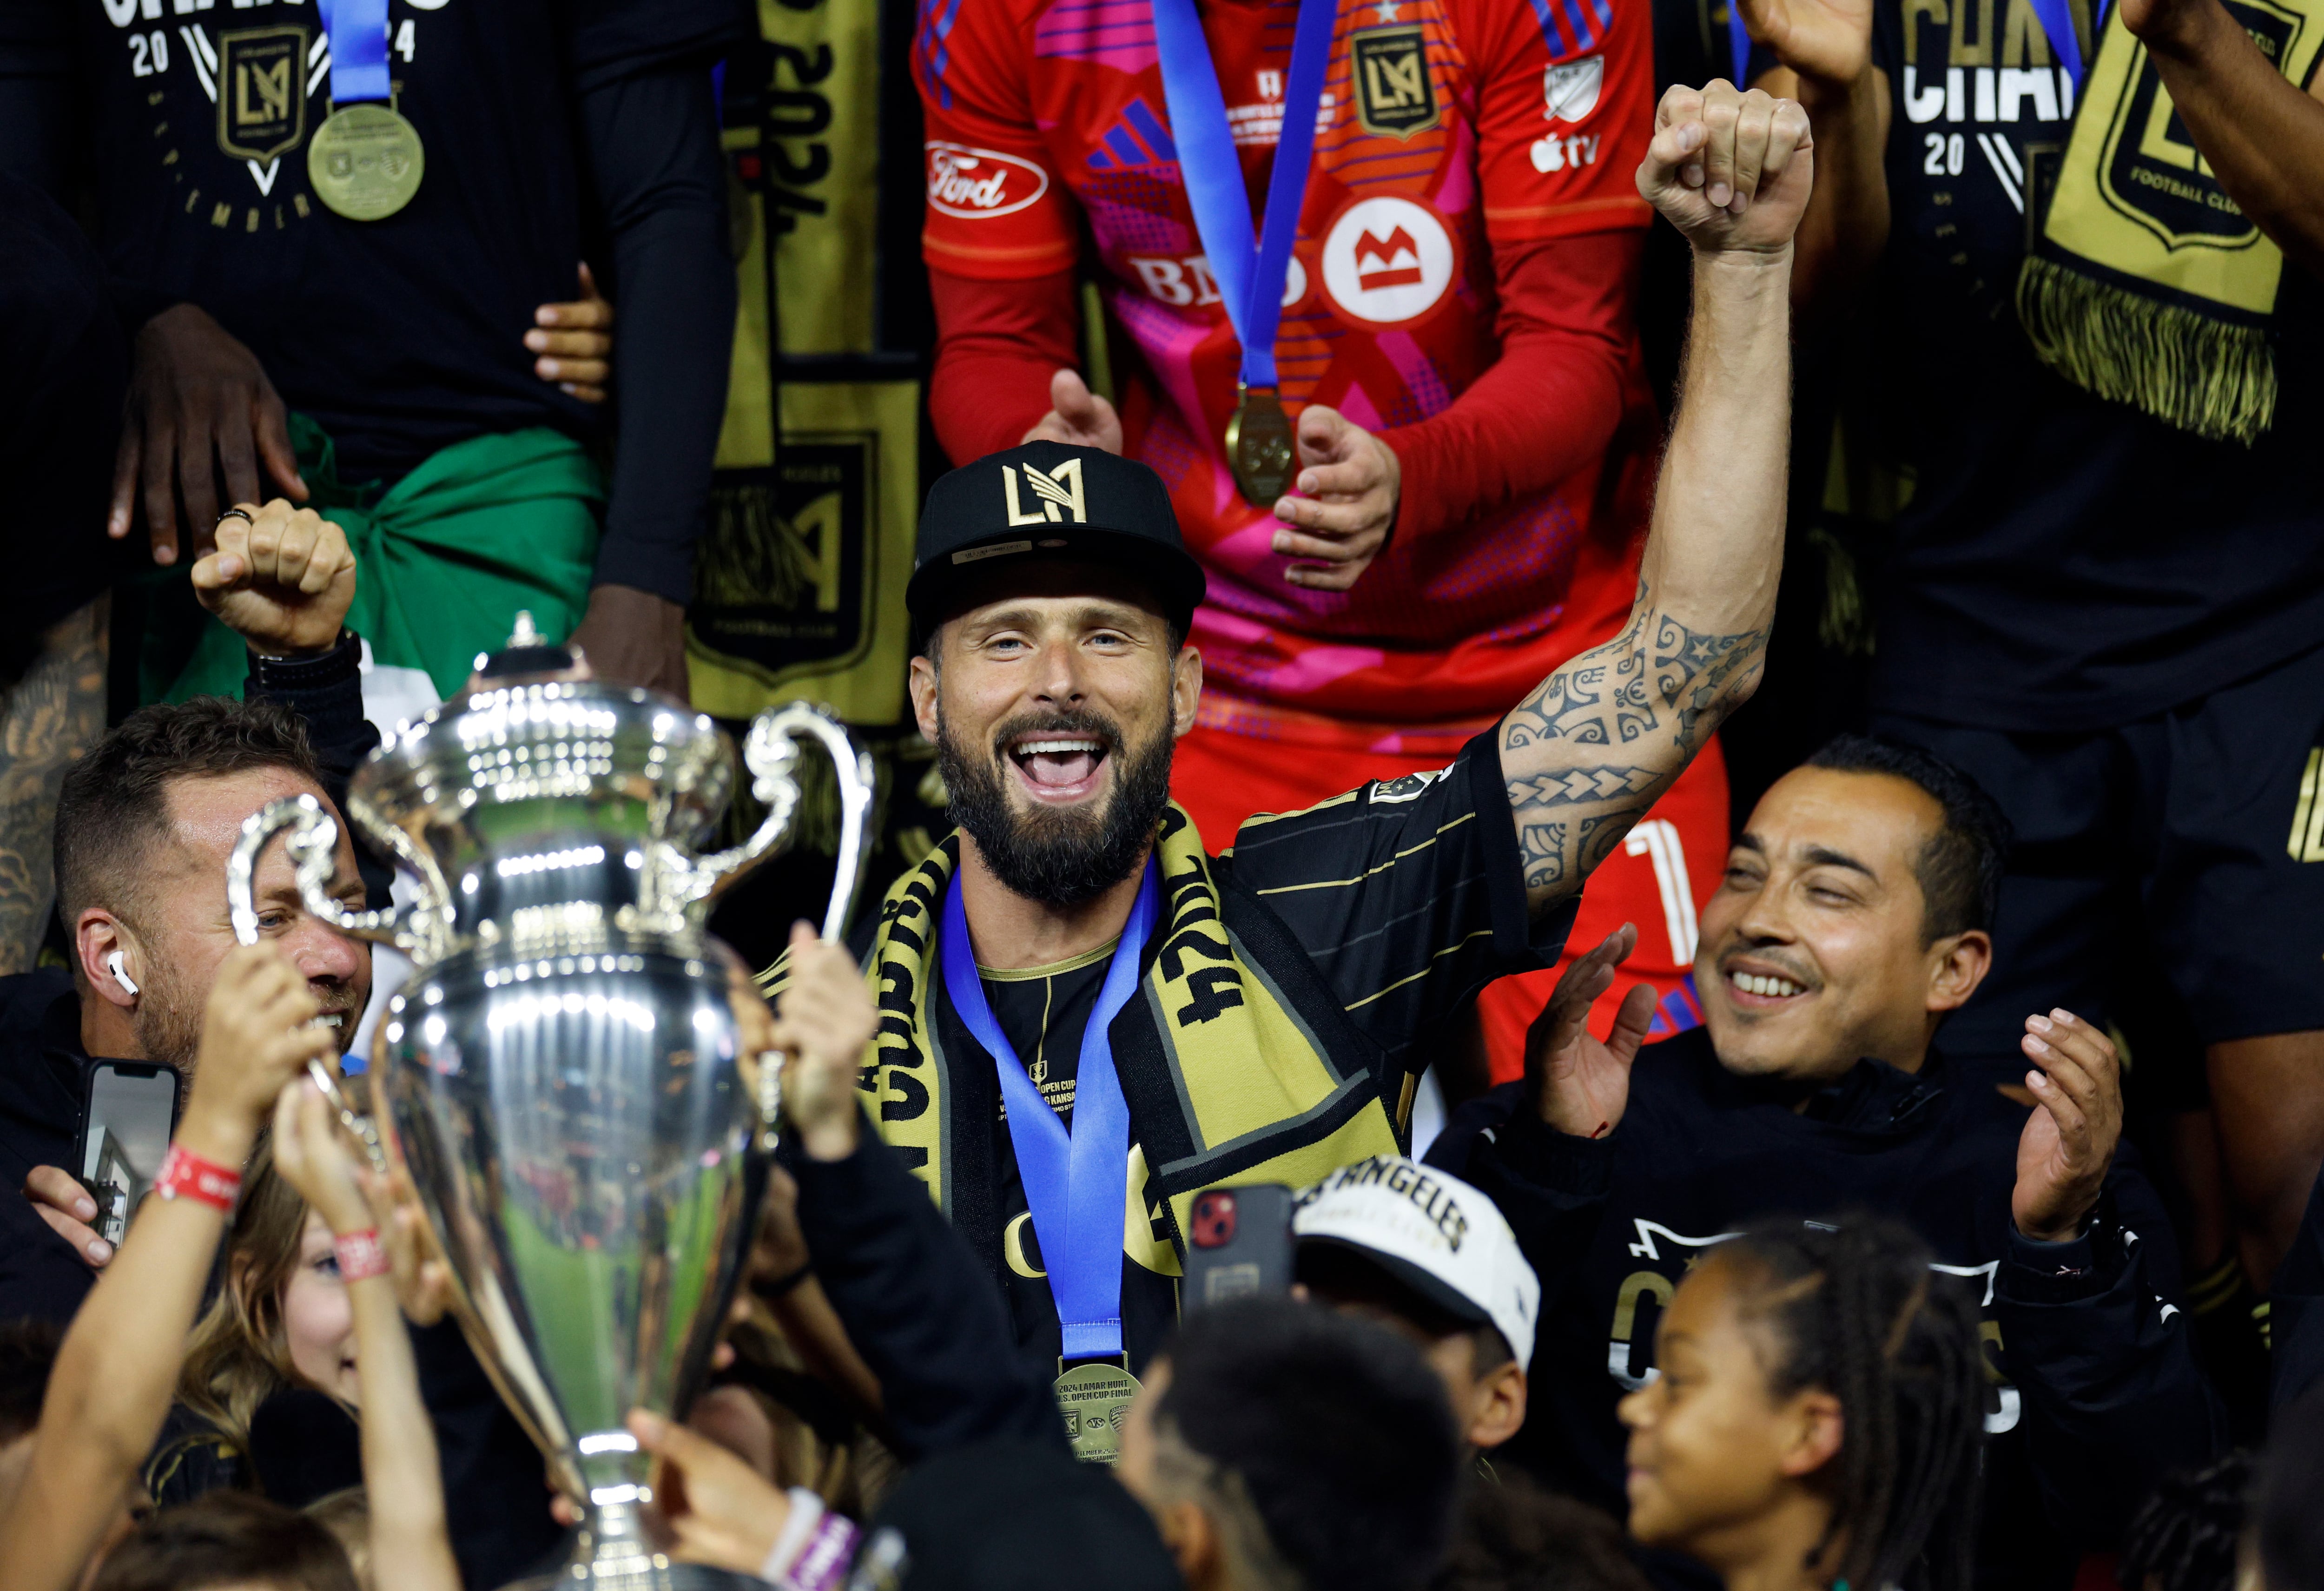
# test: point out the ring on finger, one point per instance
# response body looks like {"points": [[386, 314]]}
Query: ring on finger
{"points": [[232, 513]]}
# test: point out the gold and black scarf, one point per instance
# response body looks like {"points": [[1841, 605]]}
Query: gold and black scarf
{"points": [[1238, 1064], [2149, 286]]}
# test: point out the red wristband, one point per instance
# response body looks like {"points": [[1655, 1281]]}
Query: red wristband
{"points": [[187, 1175], [361, 1256]]}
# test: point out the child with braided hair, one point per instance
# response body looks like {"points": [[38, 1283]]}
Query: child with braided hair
{"points": [[1816, 1422]]}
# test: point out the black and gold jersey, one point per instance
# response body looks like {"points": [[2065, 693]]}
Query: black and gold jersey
{"points": [[1045, 1011], [1292, 991]]}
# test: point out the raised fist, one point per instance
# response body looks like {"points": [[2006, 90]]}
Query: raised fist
{"points": [[1730, 167], [282, 578], [1829, 39]]}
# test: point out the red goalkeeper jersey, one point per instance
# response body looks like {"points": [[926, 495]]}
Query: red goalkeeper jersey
{"points": [[1456, 140]]}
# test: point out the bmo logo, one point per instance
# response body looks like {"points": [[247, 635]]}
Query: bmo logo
{"points": [[1386, 260], [975, 183], [1185, 281]]}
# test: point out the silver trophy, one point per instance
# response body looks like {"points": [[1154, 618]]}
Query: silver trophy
{"points": [[563, 1077]]}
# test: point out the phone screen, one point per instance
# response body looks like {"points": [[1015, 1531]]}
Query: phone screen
{"points": [[126, 1120]]}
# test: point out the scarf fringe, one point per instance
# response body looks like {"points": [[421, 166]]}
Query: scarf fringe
{"points": [[2184, 368]]}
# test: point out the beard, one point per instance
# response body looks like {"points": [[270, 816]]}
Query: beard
{"points": [[1060, 858], [169, 1022], [169, 1018]]}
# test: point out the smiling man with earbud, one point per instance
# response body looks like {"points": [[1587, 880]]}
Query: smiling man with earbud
{"points": [[144, 825]]}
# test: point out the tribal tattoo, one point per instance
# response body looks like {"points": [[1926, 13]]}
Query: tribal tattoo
{"points": [[1590, 750]]}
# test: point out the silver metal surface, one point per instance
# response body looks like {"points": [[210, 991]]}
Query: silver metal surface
{"points": [[578, 1127], [563, 1078]]}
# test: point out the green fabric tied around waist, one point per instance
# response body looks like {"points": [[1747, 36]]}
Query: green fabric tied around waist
{"points": [[443, 561]]}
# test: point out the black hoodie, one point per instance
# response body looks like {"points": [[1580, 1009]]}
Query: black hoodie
{"points": [[2096, 1389]]}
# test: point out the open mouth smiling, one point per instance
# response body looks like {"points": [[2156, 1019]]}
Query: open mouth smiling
{"points": [[1753, 991], [1057, 768]]}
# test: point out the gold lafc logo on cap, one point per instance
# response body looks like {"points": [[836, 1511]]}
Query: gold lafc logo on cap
{"points": [[1060, 489]]}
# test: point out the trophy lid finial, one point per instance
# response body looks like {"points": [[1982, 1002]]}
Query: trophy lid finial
{"points": [[527, 652]]}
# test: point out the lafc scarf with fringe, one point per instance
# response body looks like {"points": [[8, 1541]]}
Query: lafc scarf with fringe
{"points": [[1238, 1063], [2149, 286]]}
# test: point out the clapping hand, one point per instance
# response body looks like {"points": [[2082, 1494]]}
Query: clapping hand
{"points": [[1576, 1084], [2069, 1141]]}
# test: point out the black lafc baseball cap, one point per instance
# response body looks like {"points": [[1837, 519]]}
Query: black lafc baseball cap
{"points": [[1048, 500]]}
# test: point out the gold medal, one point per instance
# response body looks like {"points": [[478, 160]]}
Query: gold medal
{"points": [[1094, 1398], [366, 161], [1258, 445]]}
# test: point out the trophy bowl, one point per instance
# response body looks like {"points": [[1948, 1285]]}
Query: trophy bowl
{"points": [[564, 1078]]}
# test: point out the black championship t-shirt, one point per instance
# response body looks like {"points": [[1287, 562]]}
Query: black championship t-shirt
{"points": [[1614, 1225], [399, 336], [2064, 563]]}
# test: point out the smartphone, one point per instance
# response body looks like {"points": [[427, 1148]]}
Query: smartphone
{"points": [[1237, 1245], [128, 1112]]}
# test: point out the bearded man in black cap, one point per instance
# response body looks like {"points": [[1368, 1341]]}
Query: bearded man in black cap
{"points": [[1085, 1018]]}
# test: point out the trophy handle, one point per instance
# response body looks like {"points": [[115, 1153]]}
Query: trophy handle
{"points": [[771, 754], [414, 930]]}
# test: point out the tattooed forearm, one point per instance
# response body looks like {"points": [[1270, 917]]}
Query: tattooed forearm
{"points": [[1693, 670], [1656, 691], [1544, 855], [48, 718], [1576, 785]]}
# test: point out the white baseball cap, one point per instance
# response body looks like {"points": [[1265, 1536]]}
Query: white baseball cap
{"points": [[1434, 1233]]}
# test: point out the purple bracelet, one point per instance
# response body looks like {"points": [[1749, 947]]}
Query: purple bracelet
{"points": [[823, 1563]]}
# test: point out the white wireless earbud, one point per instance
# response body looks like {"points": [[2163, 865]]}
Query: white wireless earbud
{"points": [[120, 973]]}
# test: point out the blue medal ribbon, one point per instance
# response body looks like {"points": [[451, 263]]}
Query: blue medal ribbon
{"points": [[1075, 1183], [1250, 277], [2058, 22], [358, 31]]}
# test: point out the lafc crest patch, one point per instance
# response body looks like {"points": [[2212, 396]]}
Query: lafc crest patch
{"points": [[1394, 96], [262, 92], [1061, 489]]}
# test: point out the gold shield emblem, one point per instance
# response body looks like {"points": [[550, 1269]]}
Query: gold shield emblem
{"points": [[1394, 96], [262, 92]]}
